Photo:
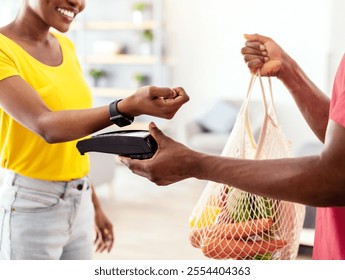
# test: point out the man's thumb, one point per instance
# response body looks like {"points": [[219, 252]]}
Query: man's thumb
{"points": [[155, 132], [256, 37]]}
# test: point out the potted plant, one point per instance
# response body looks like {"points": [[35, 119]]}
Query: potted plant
{"points": [[140, 6], [140, 12], [146, 44], [140, 80], [147, 35], [96, 74]]}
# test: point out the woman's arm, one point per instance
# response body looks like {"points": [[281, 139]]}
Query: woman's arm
{"points": [[24, 104]]}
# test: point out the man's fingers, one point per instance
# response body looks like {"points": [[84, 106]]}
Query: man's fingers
{"points": [[133, 164], [248, 57], [254, 65], [124, 160], [253, 47]]}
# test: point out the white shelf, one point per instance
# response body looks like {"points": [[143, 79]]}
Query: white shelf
{"points": [[122, 59], [118, 34], [120, 25]]}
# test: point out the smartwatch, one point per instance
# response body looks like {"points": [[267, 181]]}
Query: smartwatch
{"points": [[116, 117]]}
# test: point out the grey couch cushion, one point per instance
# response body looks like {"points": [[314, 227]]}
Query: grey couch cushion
{"points": [[220, 118]]}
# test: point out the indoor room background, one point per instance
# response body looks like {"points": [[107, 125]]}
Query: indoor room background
{"points": [[201, 42], [196, 44]]}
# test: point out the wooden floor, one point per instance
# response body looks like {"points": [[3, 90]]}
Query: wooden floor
{"points": [[151, 222]]}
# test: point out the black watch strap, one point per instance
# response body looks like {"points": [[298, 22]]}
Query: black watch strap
{"points": [[118, 118]]}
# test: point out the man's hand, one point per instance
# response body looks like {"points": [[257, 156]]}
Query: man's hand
{"points": [[262, 53], [171, 163]]}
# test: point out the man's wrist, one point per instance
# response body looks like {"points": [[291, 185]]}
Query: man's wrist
{"points": [[293, 77], [288, 70], [195, 164]]}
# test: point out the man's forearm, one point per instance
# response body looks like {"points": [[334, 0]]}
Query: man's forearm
{"points": [[311, 101], [303, 180]]}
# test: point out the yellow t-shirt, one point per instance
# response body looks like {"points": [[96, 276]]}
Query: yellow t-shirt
{"points": [[61, 88]]}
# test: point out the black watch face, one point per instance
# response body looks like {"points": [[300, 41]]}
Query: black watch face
{"points": [[116, 117], [121, 121]]}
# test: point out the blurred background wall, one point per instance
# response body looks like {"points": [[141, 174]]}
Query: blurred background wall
{"points": [[203, 41]]}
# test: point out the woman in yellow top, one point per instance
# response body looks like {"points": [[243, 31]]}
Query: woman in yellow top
{"points": [[46, 200]]}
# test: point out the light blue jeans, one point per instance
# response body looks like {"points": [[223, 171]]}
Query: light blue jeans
{"points": [[45, 220]]}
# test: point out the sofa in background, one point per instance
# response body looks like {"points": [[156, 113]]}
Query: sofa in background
{"points": [[209, 131]]}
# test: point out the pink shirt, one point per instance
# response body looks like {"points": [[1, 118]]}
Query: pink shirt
{"points": [[329, 243]]}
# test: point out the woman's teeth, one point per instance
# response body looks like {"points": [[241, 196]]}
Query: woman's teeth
{"points": [[66, 12]]}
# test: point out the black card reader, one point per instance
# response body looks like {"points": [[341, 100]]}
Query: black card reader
{"points": [[136, 144]]}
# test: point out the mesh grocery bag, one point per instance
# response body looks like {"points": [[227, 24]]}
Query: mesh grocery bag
{"points": [[228, 223]]}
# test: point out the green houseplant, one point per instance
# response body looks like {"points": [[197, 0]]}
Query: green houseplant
{"points": [[140, 6], [147, 35], [96, 74], [141, 11], [146, 46], [140, 80]]}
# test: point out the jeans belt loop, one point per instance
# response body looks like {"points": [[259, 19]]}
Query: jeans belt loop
{"points": [[10, 177]]}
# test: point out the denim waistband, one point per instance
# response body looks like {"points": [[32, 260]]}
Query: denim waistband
{"points": [[12, 178]]}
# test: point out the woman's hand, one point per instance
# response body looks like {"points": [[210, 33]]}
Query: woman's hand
{"points": [[104, 232], [262, 53], [171, 163], [104, 228], [154, 101]]}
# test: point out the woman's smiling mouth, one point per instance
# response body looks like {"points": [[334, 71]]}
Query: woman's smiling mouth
{"points": [[66, 13]]}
